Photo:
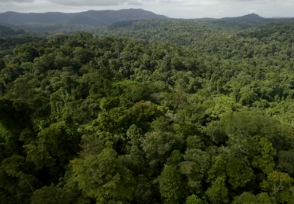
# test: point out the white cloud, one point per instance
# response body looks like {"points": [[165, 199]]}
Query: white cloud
{"points": [[96, 3], [16, 1]]}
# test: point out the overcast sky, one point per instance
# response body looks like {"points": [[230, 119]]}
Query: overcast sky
{"points": [[170, 8]]}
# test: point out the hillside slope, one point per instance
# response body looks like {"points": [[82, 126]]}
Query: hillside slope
{"points": [[54, 20]]}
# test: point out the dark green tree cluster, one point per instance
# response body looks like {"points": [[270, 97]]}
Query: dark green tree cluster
{"points": [[91, 119]]}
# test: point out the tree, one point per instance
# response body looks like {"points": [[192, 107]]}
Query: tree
{"points": [[245, 198], [239, 173], [50, 195], [26, 52], [171, 184], [16, 181], [248, 198], [264, 159], [14, 117], [279, 186], [158, 146], [286, 162], [193, 199], [52, 149], [195, 167], [103, 177], [218, 192]]}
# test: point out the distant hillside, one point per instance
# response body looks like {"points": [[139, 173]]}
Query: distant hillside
{"points": [[249, 21], [252, 16], [191, 31], [6, 31], [54, 20]]}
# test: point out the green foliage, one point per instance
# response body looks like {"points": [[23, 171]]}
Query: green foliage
{"points": [[51, 151], [193, 199], [279, 185], [286, 161], [17, 182], [218, 192], [103, 177], [239, 174], [201, 116], [195, 166], [248, 197], [265, 160], [50, 195], [158, 146], [171, 185]]}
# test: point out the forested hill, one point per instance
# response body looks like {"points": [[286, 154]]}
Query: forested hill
{"points": [[9, 38], [175, 111], [184, 31], [53, 21], [6, 31], [91, 21]]}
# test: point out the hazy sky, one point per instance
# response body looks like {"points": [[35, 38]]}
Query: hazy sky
{"points": [[170, 8]]}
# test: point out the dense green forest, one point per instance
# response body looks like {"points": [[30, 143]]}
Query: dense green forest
{"points": [[157, 111]]}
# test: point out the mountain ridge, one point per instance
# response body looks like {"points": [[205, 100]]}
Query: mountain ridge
{"points": [[93, 18], [251, 16]]}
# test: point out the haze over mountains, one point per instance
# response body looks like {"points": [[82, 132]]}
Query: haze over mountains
{"points": [[87, 18], [91, 20]]}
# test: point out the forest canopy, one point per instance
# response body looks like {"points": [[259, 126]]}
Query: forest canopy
{"points": [[162, 111]]}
